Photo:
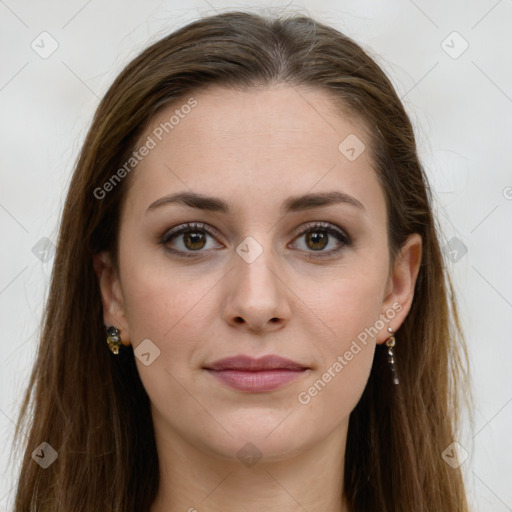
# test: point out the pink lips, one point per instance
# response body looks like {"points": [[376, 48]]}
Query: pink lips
{"points": [[255, 375]]}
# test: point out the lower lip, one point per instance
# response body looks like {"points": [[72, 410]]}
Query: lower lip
{"points": [[255, 382]]}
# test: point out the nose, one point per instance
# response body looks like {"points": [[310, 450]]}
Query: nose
{"points": [[257, 297]]}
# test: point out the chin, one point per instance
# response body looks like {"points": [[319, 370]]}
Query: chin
{"points": [[254, 434]]}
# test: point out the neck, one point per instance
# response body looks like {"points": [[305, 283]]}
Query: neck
{"points": [[195, 481]]}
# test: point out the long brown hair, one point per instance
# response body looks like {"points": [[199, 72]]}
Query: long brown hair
{"points": [[90, 405]]}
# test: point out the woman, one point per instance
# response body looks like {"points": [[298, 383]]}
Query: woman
{"points": [[248, 307]]}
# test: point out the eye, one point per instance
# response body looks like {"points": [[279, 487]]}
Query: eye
{"points": [[192, 238], [321, 235], [188, 238]]}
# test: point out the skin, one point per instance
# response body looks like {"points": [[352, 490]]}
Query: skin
{"points": [[254, 149]]}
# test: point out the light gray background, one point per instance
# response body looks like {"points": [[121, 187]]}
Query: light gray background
{"points": [[461, 109]]}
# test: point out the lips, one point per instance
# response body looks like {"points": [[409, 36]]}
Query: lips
{"points": [[249, 364], [251, 375]]}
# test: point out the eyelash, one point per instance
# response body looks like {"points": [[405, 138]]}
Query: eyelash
{"points": [[331, 229]]}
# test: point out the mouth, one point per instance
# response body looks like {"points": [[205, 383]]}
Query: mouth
{"points": [[247, 374]]}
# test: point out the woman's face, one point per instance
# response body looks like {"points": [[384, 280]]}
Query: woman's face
{"points": [[287, 256]]}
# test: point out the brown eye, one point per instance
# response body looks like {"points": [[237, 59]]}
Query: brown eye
{"points": [[194, 240], [317, 240], [324, 238], [188, 239]]}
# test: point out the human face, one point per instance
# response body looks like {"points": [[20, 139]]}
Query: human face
{"points": [[304, 297]]}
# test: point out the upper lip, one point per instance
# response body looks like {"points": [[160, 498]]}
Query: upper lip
{"points": [[246, 363]]}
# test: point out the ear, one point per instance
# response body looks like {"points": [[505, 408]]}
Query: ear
{"points": [[111, 295], [400, 286]]}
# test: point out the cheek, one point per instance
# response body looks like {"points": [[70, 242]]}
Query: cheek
{"points": [[171, 311], [171, 308], [348, 304], [348, 309]]}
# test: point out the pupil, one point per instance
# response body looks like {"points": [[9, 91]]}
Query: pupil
{"points": [[192, 239], [317, 238]]}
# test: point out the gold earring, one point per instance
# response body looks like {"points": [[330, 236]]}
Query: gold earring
{"points": [[113, 339], [390, 342]]}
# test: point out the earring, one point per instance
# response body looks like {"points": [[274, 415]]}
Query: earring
{"points": [[390, 342], [113, 339]]}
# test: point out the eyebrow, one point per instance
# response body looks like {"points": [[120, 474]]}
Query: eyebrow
{"points": [[292, 204]]}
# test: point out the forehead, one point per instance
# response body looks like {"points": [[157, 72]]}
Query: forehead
{"points": [[262, 142]]}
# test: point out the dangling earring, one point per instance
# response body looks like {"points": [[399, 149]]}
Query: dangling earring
{"points": [[390, 342], [113, 339]]}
